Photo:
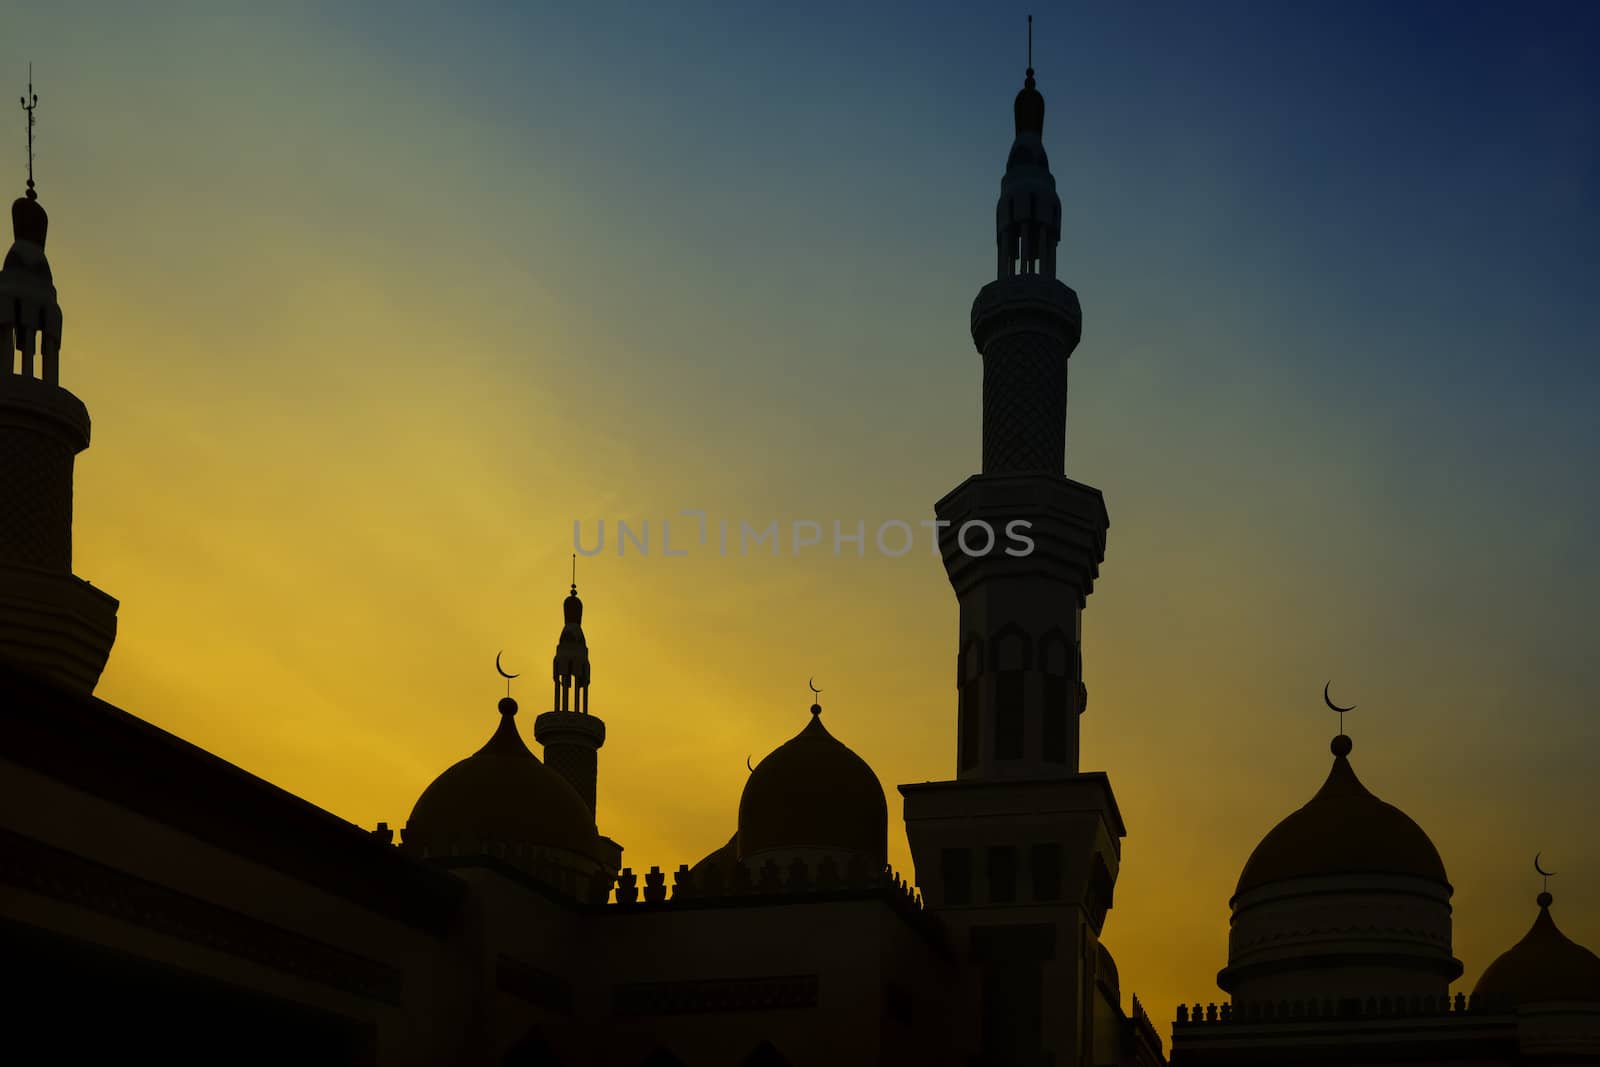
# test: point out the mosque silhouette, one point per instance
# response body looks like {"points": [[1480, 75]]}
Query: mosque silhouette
{"points": [[163, 905]]}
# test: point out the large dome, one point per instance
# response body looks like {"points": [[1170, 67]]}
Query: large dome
{"points": [[1544, 967], [814, 793], [1346, 897], [1343, 829], [501, 798]]}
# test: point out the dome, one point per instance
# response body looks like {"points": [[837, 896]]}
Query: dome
{"points": [[1544, 967], [814, 793], [501, 795], [1344, 829]]}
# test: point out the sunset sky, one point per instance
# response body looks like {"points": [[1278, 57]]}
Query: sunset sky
{"points": [[370, 302]]}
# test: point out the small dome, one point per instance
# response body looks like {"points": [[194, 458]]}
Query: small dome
{"points": [[29, 221], [501, 795], [1544, 967], [1344, 829], [1028, 108], [813, 792]]}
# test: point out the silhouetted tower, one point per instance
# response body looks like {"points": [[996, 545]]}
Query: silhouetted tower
{"points": [[1020, 851], [51, 623], [570, 735]]}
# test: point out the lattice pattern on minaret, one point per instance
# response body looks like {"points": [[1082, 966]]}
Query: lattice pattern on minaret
{"points": [[36, 484], [578, 765], [1024, 404]]}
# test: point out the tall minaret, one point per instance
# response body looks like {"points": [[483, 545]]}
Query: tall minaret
{"points": [[51, 623], [570, 735], [1020, 851]]}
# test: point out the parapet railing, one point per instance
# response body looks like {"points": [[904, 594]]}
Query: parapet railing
{"points": [[798, 879], [1330, 1008], [770, 879], [1142, 1024]]}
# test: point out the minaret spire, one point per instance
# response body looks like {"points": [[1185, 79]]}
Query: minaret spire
{"points": [[1021, 887], [51, 622], [571, 736]]}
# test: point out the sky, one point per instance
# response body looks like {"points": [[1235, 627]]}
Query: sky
{"points": [[370, 304]]}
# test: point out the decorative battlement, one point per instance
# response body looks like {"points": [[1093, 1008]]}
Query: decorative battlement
{"points": [[1330, 1008], [774, 882], [795, 878]]}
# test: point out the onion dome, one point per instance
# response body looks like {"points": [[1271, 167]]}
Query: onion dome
{"points": [[1545, 967], [1343, 829], [813, 793], [501, 800], [1345, 898]]}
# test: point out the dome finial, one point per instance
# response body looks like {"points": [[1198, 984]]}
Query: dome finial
{"points": [[811, 684], [574, 574], [1340, 742], [29, 103], [1545, 899], [1028, 78], [502, 672]]}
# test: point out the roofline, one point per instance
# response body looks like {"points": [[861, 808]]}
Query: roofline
{"points": [[96, 747]]}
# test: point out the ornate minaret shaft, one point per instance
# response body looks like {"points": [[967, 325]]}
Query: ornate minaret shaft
{"points": [[1020, 852], [570, 735], [1019, 669], [51, 623]]}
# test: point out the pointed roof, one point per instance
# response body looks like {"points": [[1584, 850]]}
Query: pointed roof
{"points": [[1343, 829], [502, 795], [814, 792], [1544, 967]]}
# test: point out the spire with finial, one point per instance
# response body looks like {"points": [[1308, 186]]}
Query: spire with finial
{"points": [[1341, 744], [29, 103], [816, 705], [1029, 214], [1545, 899], [1029, 106], [28, 219]]}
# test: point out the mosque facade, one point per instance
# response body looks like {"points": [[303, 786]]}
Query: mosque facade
{"points": [[159, 901]]}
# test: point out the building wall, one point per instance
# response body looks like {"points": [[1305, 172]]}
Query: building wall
{"points": [[80, 866], [711, 980]]}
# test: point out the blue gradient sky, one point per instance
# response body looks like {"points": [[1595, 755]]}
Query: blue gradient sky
{"points": [[369, 304]]}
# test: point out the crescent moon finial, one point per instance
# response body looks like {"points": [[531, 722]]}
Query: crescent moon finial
{"points": [[502, 671], [747, 765], [1544, 896], [811, 683], [1341, 743]]}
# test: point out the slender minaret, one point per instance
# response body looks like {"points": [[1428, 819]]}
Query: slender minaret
{"points": [[570, 735], [1020, 851], [51, 623]]}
